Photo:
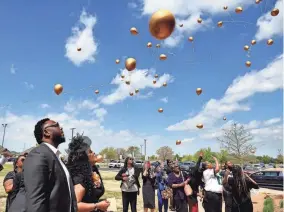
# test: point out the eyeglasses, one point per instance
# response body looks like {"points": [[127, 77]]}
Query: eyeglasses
{"points": [[52, 125], [23, 159]]}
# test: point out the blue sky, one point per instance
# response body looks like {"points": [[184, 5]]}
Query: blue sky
{"points": [[37, 54]]}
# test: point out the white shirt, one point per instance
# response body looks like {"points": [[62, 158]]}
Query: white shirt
{"points": [[211, 182], [57, 153], [3, 160], [129, 185]]}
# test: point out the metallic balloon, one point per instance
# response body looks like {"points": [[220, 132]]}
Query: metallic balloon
{"points": [[97, 91], [158, 46], [136, 90], [162, 24], [165, 84], [270, 42], [130, 64], [198, 91], [178, 142], [131, 93], [181, 25], [246, 47], [220, 24], [248, 63], [199, 20], [122, 76], [117, 61], [199, 126], [257, 1], [127, 82], [274, 12], [58, 88], [190, 39], [134, 31], [149, 45], [160, 110], [154, 81], [239, 10], [163, 57], [225, 7], [252, 151], [79, 49], [253, 42], [224, 118], [156, 76]]}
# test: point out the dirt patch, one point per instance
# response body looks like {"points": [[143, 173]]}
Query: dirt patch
{"points": [[259, 199]]}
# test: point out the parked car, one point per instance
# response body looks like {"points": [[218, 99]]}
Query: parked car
{"points": [[115, 164], [139, 164], [257, 166], [250, 169], [187, 166], [269, 178]]}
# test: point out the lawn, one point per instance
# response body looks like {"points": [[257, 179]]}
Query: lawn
{"points": [[7, 168]]}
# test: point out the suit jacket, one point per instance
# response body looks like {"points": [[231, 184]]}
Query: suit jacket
{"points": [[46, 184]]}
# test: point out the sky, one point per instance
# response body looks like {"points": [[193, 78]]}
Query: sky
{"points": [[39, 42]]}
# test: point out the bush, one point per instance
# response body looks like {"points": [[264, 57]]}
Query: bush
{"points": [[281, 204], [268, 205]]}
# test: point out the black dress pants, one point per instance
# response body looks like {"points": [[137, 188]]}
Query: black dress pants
{"points": [[228, 198], [212, 202], [129, 198], [181, 205]]}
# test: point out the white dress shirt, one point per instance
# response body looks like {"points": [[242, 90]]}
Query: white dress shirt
{"points": [[3, 160], [57, 153], [211, 182]]}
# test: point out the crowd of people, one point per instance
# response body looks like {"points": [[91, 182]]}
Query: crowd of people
{"points": [[42, 182]]}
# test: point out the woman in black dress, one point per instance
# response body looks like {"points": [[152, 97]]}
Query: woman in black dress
{"points": [[148, 188], [87, 184], [241, 185]]}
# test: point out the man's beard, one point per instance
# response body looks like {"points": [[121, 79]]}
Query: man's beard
{"points": [[59, 140]]}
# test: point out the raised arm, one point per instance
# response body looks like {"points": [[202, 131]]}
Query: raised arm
{"points": [[198, 161], [36, 176], [217, 168]]}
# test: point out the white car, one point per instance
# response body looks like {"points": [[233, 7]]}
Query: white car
{"points": [[115, 164]]}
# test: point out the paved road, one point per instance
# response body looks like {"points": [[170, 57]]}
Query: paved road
{"points": [[108, 169]]}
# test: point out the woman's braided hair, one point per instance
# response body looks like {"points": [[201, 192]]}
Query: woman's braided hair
{"points": [[78, 162]]}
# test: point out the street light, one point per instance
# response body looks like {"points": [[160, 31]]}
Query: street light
{"points": [[4, 126]]}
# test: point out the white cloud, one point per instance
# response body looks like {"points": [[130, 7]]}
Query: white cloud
{"points": [[132, 5], [100, 113], [139, 79], [13, 69], [188, 11], [82, 37], [74, 106], [266, 80], [165, 99], [269, 26], [43, 106], [146, 96], [29, 86]]}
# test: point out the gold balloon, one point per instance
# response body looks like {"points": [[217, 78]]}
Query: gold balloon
{"points": [[199, 20], [97, 91], [131, 93], [220, 24], [154, 81], [149, 45], [190, 39], [79, 49], [274, 12], [225, 7], [165, 84], [122, 76], [117, 61], [257, 1], [181, 25], [199, 126], [130, 64], [270, 42], [253, 42], [134, 31], [224, 118], [248, 63], [158, 46], [162, 24], [163, 57], [198, 91], [160, 110], [127, 82], [252, 151], [246, 47], [178, 142], [156, 76], [58, 88], [239, 9], [99, 158], [136, 90]]}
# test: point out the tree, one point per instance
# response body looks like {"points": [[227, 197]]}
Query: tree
{"points": [[222, 156], [207, 155], [109, 152], [266, 159], [237, 141], [133, 150], [187, 158], [165, 153], [177, 157], [152, 157], [122, 152], [279, 158]]}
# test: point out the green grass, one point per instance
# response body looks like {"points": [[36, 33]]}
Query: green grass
{"points": [[281, 204], [7, 168], [3, 195], [268, 205]]}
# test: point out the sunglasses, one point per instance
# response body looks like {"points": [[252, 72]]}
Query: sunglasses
{"points": [[23, 159], [130, 159], [52, 125]]}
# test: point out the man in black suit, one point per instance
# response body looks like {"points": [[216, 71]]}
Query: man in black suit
{"points": [[47, 181]]}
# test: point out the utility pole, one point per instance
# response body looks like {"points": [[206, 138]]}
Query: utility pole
{"points": [[145, 149], [141, 149], [72, 132], [4, 126]]}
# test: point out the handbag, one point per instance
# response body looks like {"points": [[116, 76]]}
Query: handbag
{"points": [[167, 193], [187, 188]]}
